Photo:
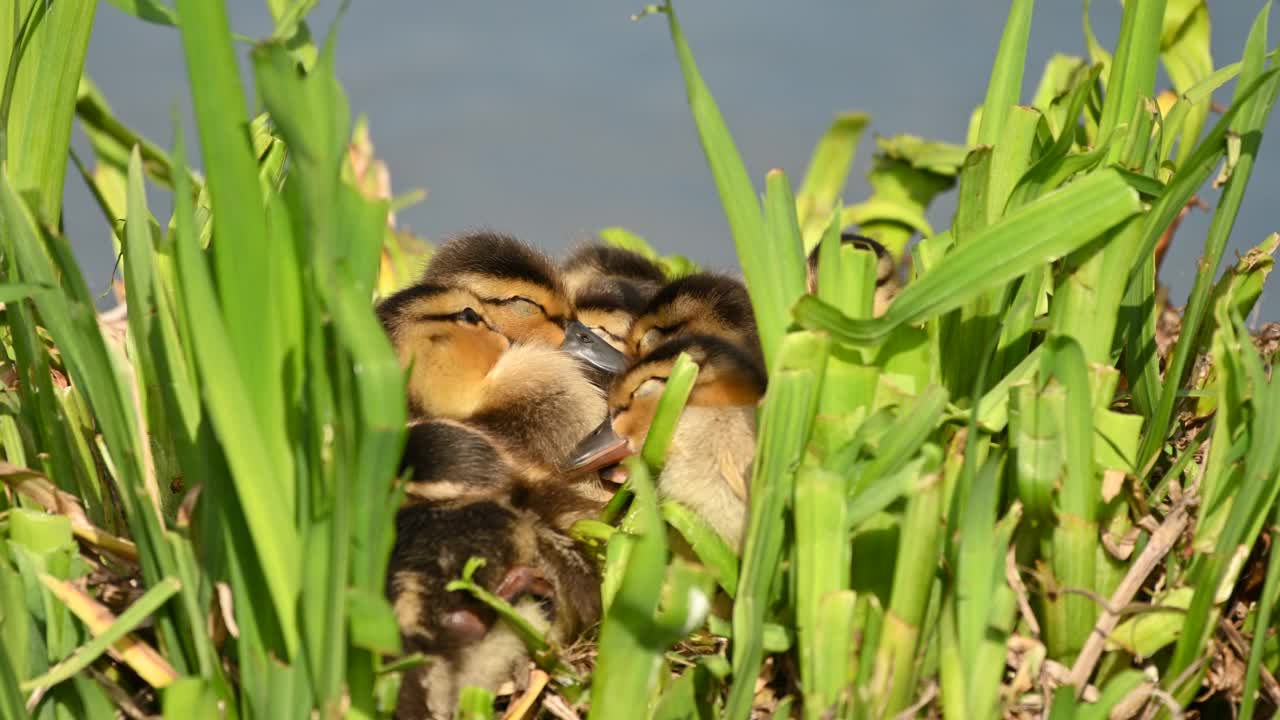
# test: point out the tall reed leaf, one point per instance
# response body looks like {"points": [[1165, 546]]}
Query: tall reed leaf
{"points": [[1035, 234], [741, 207]]}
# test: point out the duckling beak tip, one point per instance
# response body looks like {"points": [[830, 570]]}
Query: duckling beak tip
{"points": [[602, 448], [586, 346]]}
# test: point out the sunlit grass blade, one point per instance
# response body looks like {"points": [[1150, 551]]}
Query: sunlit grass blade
{"points": [[263, 487], [1132, 72], [39, 101], [827, 173], [786, 420], [1036, 234], [113, 632], [896, 669], [1266, 604], [243, 258], [627, 661], [1248, 124], [822, 568], [738, 198], [113, 635], [1006, 73]]}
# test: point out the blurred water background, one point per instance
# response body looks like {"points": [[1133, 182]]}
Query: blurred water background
{"points": [[553, 119]]}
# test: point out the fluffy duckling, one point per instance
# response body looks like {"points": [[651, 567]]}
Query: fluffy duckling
{"points": [[540, 572], [708, 466], [887, 283], [595, 261], [519, 287], [449, 462], [698, 304], [532, 399], [609, 287]]}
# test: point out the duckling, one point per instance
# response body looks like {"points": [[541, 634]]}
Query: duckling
{"points": [[887, 283], [540, 572], [532, 399], [595, 261], [519, 287], [708, 466], [608, 286], [598, 338], [450, 462], [698, 304]]}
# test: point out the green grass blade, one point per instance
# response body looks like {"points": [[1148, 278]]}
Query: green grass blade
{"points": [[1006, 74], [84, 656], [827, 173], [1133, 70], [1035, 234], [786, 420], [741, 207], [36, 134], [242, 254], [263, 487], [822, 567], [627, 665], [684, 373], [1254, 104]]}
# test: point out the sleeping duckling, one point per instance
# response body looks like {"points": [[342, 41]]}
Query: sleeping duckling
{"points": [[708, 466], [609, 287], [519, 287], [449, 462], [540, 572], [698, 304], [887, 283], [532, 399], [595, 261]]}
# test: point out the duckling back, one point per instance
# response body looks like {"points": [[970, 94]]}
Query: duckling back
{"points": [[549, 581]]}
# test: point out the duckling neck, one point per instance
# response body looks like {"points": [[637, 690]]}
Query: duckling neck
{"points": [[709, 466]]}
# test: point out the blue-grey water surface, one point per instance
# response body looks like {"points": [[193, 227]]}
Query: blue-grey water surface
{"points": [[553, 119]]}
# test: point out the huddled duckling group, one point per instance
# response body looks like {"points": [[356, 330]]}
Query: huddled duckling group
{"points": [[527, 383]]}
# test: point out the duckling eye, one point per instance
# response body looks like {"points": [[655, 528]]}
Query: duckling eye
{"points": [[471, 317], [649, 387], [651, 338], [524, 306]]}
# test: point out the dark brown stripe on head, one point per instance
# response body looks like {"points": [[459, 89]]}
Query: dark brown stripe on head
{"points": [[393, 306], [612, 296], [492, 254], [614, 261], [708, 350], [725, 296]]}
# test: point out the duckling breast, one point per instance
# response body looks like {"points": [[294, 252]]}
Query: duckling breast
{"points": [[709, 467]]}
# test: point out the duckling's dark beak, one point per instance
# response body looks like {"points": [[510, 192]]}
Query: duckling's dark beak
{"points": [[602, 448], [585, 345]]}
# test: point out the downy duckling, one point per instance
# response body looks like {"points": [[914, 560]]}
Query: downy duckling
{"points": [[549, 582], [532, 399], [609, 287], [708, 466], [887, 283], [698, 304], [595, 261], [450, 462], [519, 287]]}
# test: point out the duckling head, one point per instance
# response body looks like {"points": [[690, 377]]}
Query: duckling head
{"points": [[887, 284], [698, 304], [605, 309], [729, 376], [519, 287], [446, 339], [594, 261]]}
